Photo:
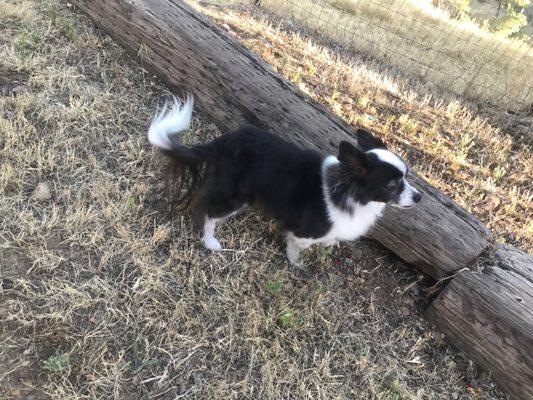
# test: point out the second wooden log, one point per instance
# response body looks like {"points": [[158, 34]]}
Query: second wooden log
{"points": [[488, 313]]}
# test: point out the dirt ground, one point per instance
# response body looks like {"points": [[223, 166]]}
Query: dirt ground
{"points": [[105, 294]]}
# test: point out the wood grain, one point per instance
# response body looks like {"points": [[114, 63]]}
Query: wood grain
{"points": [[489, 315]]}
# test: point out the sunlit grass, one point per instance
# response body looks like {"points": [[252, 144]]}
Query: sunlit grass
{"points": [[422, 41]]}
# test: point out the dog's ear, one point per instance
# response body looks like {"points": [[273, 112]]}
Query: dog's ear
{"points": [[367, 141], [354, 157]]}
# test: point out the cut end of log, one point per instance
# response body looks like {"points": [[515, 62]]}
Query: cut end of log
{"points": [[488, 313]]}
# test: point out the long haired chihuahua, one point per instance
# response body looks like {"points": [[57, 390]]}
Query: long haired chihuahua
{"points": [[316, 198]]}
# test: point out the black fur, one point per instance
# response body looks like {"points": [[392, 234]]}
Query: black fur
{"points": [[362, 177], [253, 167], [366, 141]]}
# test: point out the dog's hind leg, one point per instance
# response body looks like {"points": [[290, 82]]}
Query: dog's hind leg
{"points": [[211, 208], [208, 239]]}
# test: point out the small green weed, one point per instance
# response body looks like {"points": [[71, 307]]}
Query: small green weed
{"points": [[28, 42], [131, 204], [140, 351], [67, 29], [58, 363], [275, 285], [289, 318], [324, 254], [395, 391], [52, 10]]}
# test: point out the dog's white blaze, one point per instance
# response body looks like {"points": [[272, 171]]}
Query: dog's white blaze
{"points": [[170, 121], [390, 158], [406, 197]]}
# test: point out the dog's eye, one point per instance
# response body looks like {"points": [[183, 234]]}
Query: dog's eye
{"points": [[392, 185]]}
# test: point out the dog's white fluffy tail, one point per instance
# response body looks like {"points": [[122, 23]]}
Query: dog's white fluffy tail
{"points": [[170, 121]]}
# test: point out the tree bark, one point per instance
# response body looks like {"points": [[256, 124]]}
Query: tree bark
{"points": [[233, 86], [488, 313]]}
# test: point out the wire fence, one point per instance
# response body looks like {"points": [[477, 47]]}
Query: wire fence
{"points": [[421, 40]]}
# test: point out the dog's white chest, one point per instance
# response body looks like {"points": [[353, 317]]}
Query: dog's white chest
{"points": [[350, 226], [347, 225]]}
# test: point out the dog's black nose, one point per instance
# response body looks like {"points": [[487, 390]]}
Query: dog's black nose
{"points": [[417, 197]]}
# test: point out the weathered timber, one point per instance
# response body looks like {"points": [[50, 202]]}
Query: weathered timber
{"points": [[232, 86], [489, 315]]}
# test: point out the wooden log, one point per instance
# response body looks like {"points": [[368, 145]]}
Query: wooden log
{"points": [[488, 314], [232, 86]]}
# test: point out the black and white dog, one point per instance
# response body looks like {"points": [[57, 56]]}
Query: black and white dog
{"points": [[317, 199]]}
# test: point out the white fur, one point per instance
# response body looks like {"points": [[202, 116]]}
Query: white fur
{"points": [[294, 246], [390, 158], [345, 225], [209, 240], [406, 197], [176, 119]]}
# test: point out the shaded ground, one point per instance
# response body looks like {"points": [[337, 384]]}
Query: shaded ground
{"points": [[103, 295]]}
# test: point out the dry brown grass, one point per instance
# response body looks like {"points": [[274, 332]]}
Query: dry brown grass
{"points": [[480, 159], [423, 41], [104, 296]]}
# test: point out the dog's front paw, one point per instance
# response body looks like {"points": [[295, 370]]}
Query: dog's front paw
{"points": [[212, 244], [294, 257], [293, 253], [296, 263]]}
